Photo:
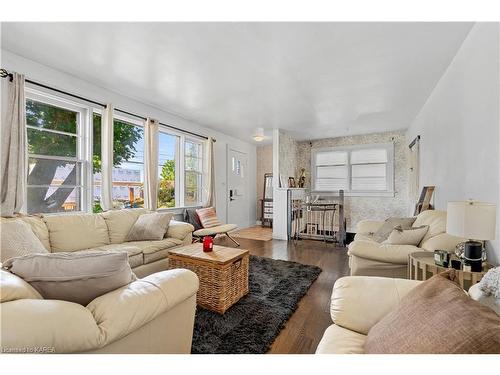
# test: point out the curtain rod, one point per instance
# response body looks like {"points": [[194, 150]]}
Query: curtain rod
{"points": [[4, 74], [417, 138]]}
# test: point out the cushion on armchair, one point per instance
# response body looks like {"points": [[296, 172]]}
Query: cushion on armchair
{"points": [[410, 236], [436, 316], [208, 217], [385, 230]]}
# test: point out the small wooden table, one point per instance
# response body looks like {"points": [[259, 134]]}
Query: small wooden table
{"points": [[421, 266], [223, 273]]}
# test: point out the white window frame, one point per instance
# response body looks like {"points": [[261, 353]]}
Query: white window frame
{"points": [[389, 147], [83, 148], [135, 122], [165, 130], [203, 157]]}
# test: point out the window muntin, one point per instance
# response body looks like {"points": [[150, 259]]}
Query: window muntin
{"points": [[55, 165], [193, 172], [358, 170]]}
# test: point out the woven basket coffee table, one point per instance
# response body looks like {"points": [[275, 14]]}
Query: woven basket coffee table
{"points": [[223, 273]]}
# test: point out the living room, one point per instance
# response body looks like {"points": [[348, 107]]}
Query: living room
{"points": [[250, 187]]}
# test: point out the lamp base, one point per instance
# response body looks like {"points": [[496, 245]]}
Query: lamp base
{"points": [[473, 255]]}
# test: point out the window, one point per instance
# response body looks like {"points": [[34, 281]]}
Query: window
{"points": [[167, 151], [128, 162], [55, 156], [365, 170], [193, 172]]}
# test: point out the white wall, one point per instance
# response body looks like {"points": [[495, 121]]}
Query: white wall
{"points": [[459, 126], [51, 77]]}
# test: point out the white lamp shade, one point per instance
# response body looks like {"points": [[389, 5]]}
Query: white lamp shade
{"points": [[472, 220]]}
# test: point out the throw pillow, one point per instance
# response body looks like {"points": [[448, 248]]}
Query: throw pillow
{"points": [[436, 316], [385, 230], [191, 217], [17, 239], [411, 236], [76, 276], [208, 217], [150, 227]]}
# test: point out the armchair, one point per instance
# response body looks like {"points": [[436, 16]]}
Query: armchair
{"points": [[367, 257]]}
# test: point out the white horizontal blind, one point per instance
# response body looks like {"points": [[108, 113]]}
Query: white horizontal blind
{"points": [[331, 171], [369, 169]]}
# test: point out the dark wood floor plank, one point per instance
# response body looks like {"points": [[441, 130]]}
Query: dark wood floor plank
{"points": [[304, 329]]}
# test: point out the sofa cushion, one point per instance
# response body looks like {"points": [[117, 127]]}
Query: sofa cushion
{"points": [[338, 340], [134, 252], [389, 224], [13, 288], [120, 222], [437, 316], [179, 230], [39, 228], [150, 227], [411, 236], [155, 250], [76, 232], [436, 220], [74, 277], [17, 239]]}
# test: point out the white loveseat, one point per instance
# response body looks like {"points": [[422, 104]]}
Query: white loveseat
{"points": [[107, 232], [150, 315], [367, 257]]}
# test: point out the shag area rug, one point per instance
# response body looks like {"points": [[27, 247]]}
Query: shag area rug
{"points": [[252, 324]]}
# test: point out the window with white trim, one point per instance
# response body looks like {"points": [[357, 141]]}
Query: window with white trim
{"points": [[193, 172], [363, 170], [56, 155], [168, 184]]}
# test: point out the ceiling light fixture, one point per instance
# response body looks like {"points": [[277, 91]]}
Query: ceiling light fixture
{"points": [[259, 135]]}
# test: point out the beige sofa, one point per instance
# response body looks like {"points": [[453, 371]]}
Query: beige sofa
{"points": [[370, 258], [154, 314], [150, 315], [107, 232], [357, 304]]}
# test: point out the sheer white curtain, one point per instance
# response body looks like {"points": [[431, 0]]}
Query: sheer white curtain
{"points": [[13, 135], [210, 174], [107, 158], [151, 164]]}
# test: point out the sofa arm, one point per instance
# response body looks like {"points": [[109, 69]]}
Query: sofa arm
{"points": [[124, 310], [397, 254], [179, 230], [47, 326], [359, 302], [368, 226]]}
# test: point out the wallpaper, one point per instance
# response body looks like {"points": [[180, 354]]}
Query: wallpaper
{"points": [[288, 148], [359, 208]]}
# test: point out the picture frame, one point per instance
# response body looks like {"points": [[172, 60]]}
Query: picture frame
{"points": [[291, 182]]}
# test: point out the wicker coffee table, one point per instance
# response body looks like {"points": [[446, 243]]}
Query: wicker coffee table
{"points": [[223, 273]]}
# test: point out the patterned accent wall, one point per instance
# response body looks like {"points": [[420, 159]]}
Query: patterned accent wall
{"points": [[288, 149], [359, 208]]}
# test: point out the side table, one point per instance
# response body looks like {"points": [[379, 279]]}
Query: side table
{"points": [[421, 266]]}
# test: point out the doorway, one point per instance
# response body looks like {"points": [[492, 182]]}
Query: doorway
{"points": [[237, 188]]}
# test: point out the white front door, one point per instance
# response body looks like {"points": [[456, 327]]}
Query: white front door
{"points": [[237, 188]]}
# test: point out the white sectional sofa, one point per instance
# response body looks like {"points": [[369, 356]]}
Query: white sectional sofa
{"points": [[107, 232], [154, 314]]}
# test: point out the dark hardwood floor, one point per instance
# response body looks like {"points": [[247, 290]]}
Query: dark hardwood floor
{"points": [[304, 329]]}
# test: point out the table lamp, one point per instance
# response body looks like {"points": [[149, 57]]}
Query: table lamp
{"points": [[475, 221]]}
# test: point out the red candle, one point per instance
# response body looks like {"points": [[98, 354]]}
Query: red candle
{"points": [[208, 244]]}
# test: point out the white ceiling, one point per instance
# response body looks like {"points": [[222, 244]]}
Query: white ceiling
{"points": [[314, 79]]}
